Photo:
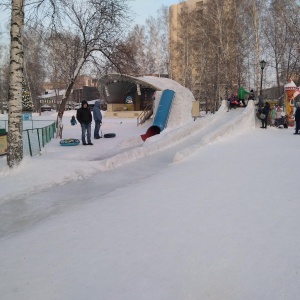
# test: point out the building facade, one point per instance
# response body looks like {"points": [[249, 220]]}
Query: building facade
{"points": [[85, 88], [203, 47]]}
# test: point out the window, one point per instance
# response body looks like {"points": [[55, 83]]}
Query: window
{"points": [[199, 6]]}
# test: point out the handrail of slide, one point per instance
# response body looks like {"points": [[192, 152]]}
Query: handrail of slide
{"points": [[145, 113], [162, 114]]}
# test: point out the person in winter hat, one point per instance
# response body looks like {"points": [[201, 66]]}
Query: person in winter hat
{"points": [[251, 95], [265, 111], [97, 118], [279, 111], [297, 119], [84, 117], [73, 121]]}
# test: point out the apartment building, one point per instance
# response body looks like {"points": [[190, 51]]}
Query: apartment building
{"points": [[203, 46]]}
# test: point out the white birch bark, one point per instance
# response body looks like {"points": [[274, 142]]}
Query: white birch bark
{"points": [[15, 126], [66, 97]]}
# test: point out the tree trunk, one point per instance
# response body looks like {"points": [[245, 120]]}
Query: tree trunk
{"points": [[62, 106], [15, 126], [62, 110]]}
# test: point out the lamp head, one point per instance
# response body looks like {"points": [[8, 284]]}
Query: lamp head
{"points": [[262, 64]]}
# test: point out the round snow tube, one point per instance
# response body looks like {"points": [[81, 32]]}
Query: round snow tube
{"points": [[109, 135], [69, 142]]}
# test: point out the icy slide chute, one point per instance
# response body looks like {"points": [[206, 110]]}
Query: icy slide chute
{"points": [[162, 114]]}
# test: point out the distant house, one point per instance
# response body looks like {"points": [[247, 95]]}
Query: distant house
{"points": [[45, 107], [85, 88], [91, 103], [53, 98], [87, 93]]}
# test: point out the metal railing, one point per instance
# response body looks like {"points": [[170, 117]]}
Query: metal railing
{"points": [[145, 114], [28, 124], [34, 139]]}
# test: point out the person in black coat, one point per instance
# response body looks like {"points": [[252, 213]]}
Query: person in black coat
{"points": [[84, 117], [297, 119], [265, 111], [251, 95]]}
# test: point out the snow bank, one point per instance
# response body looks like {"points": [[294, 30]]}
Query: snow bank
{"points": [[244, 120], [57, 165]]}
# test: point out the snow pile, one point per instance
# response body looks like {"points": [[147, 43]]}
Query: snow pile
{"points": [[182, 104]]}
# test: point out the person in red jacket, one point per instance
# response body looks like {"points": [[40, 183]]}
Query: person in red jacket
{"points": [[234, 100]]}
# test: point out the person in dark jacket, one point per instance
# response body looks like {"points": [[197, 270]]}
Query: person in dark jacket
{"points": [[97, 118], [251, 95], [260, 103], [265, 111], [297, 119], [84, 117]]}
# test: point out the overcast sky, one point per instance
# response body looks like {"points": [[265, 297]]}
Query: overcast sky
{"points": [[146, 8], [142, 9]]}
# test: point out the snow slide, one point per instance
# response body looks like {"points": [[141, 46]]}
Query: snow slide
{"points": [[162, 114]]}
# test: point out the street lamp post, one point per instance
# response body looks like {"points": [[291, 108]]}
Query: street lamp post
{"points": [[262, 66]]}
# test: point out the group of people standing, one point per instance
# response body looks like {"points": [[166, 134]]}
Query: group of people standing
{"points": [[266, 114], [84, 117], [269, 115]]}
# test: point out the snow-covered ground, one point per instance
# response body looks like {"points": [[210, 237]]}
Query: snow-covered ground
{"points": [[58, 165], [208, 210]]}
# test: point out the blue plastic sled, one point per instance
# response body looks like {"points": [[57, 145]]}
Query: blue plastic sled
{"points": [[69, 142]]}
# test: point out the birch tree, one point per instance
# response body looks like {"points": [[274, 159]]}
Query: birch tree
{"points": [[137, 38], [123, 60], [163, 19], [4, 82], [149, 44], [62, 65], [97, 23], [181, 47], [288, 11], [254, 11], [157, 28], [15, 127]]}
